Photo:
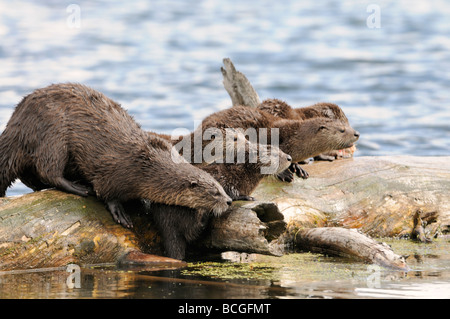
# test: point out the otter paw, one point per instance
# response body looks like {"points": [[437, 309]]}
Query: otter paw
{"points": [[300, 172], [118, 213], [286, 176]]}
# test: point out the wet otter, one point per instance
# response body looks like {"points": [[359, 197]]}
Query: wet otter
{"points": [[178, 226], [283, 110], [239, 179], [299, 139], [323, 109], [70, 129], [236, 163]]}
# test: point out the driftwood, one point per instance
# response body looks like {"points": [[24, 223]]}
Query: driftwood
{"points": [[52, 229], [379, 195], [350, 243], [238, 86]]}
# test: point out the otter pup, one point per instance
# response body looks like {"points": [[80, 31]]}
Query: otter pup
{"points": [[236, 163], [327, 110], [66, 128], [239, 179], [283, 110], [299, 139], [177, 225]]}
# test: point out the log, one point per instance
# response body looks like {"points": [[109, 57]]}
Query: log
{"points": [[378, 195], [52, 229], [238, 86], [350, 243]]}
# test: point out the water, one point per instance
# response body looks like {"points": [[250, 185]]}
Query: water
{"points": [[161, 60], [293, 276]]}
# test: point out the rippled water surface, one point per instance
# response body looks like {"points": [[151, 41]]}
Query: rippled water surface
{"points": [[298, 276], [161, 60]]}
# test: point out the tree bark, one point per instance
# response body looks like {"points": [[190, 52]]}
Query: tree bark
{"points": [[238, 86], [349, 243], [52, 229]]}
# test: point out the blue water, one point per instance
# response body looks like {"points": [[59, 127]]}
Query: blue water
{"points": [[161, 60]]}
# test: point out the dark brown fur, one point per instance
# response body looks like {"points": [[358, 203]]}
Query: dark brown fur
{"points": [[177, 225], [283, 110], [239, 179], [300, 139], [68, 132], [241, 176]]}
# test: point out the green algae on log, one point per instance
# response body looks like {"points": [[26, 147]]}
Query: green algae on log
{"points": [[52, 229]]}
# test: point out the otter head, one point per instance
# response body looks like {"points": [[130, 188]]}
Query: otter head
{"points": [[304, 139], [332, 135], [201, 191], [167, 178], [241, 147]]}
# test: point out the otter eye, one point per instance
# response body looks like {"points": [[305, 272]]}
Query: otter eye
{"points": [[194, 183], [322, 127], [342, 130]]}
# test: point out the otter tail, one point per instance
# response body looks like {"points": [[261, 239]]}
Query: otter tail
{"points": [[8, 162]]}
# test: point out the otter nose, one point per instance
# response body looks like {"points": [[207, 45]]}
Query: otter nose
{"points": [[289, 158], [229, 202], [357, 134]]}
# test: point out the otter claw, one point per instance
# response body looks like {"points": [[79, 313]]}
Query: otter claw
{"points": [[118, 213], [286, 176], [298, 170]]}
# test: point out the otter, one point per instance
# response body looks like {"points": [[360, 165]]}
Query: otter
{"points": [[239, 179], [178, 226], [67, 132], [299, 139], [323, 109], [237, 163], [283, 110]]}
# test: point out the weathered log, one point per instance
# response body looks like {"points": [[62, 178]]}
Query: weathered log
{"points": [[254, 227], [337, 241], [52, 229], [377, 195], [238, 86]]}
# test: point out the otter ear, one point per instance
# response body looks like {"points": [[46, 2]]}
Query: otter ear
{"points": [[194, 183]]}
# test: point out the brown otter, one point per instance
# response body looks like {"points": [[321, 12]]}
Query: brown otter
{"points": [[67, 128], [239, 176], [283, 110], [300, 139], [239, 179], [236, 163], [178, 226]]}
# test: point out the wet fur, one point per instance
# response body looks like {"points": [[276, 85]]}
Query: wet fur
{"points": [[68, 132]]}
